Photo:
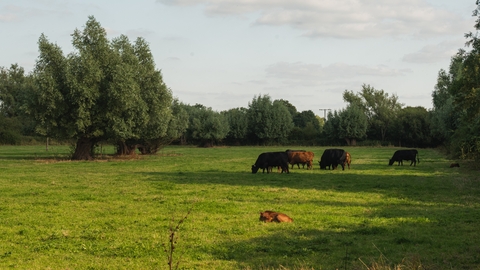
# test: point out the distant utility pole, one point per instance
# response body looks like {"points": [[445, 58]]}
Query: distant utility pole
{"points": [[325, 113]]}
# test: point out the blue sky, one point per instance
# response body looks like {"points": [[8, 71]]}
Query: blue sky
{"points": [[223, 53]]}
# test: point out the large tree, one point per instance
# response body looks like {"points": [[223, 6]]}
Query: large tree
{"points": [[353, 124], [14, 88], [307, 128], [456, 114], [177, 126], [102, 91], [269, 122], [238, 123], [349, 125], [379, 107], [206, 126], [411, 127]]}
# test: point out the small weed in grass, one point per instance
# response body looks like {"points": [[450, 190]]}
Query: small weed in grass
{"points": [[169, 248]]}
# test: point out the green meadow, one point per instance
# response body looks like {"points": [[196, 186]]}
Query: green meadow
{"points": [[116, 213]]}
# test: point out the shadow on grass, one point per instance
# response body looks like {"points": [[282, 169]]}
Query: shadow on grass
{"points": [[287, 247], [427, 216], [421, 188], [293, 247]]}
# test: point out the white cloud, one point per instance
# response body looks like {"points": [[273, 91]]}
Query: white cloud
{"points": [[433, 53], [312, 74], [342, 18]]}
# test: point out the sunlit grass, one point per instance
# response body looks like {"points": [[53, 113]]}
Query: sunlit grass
{"points": [[115, 213]]}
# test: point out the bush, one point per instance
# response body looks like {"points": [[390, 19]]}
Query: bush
{"points": [[9, 137]]}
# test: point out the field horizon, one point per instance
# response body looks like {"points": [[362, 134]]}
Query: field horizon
{"points": [[116, 213]]}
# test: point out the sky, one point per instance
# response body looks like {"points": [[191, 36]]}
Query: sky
{"points": [[224, 53]]}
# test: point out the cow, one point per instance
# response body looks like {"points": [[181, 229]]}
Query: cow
{"points": [[401, 155], [453, 165], [300, 157], [332, 157], [271, 216], [348, 160], [271, 159]]}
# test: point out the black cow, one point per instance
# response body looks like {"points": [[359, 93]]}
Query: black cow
{"points": [[271, 159], [332, 157], [401, 155]]}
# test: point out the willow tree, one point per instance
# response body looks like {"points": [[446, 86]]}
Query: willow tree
{"points": [[269, 122], [102, 91], [380, 108]]}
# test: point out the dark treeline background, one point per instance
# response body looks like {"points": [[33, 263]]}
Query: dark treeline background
{"points": [[109, 91]]}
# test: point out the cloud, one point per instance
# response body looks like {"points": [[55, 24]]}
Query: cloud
{"points": [[350, 19], [139, 33], [433, 53], [312, 74], [172, 59], [17, 13]]}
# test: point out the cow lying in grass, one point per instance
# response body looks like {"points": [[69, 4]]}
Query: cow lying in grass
{"points": [[271, 216]]}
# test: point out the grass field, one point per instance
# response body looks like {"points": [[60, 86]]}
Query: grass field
{"points": [[116, 213]]}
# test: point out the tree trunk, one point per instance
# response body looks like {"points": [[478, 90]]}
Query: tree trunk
{"points": [[83, 149], [354, 142], [123, 149], [348, 141]]}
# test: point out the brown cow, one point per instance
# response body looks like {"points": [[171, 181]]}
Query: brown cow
{"points": [[300, 157], [348, 159], [271, 216]]}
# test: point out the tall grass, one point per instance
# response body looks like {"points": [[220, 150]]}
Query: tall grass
{"points": [[117, 213]]}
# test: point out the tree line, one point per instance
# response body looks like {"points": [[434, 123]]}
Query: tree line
{"points": [[109, 91]]}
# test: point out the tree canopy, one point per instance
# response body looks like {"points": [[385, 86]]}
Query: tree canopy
{"points": [[102, 91]]}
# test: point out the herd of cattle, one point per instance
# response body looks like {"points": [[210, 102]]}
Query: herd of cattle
{"points": [[331, 158]]}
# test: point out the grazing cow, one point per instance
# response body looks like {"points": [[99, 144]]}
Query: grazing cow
{"points": [[332, 157], [454, 165], [348, 160], [271, 159], [401, 155], [300, 157], [271, 216], [298, 164]]}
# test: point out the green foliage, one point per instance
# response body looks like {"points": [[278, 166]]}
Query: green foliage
{"points": [[269, 122], [238, 123], [331, 128], [206, 127], [353, 124], [116, 214], [177, 126], [380, 108], [10, 130], [13, 85], [103, 91], [411, 127], [346, 125], [308, 126], [455, 99]]}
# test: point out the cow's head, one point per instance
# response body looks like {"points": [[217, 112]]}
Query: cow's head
{"points": [[266, 216], [391, 162], [254, 168], [323, 165]]}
